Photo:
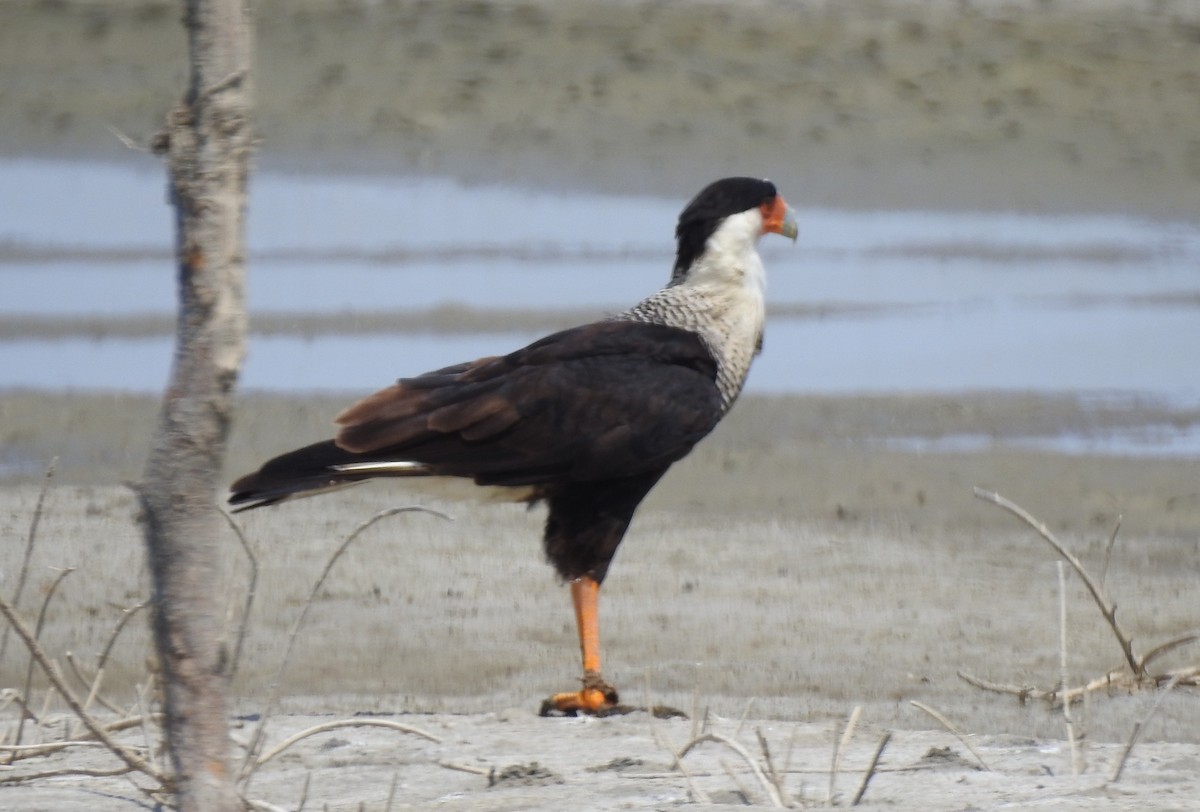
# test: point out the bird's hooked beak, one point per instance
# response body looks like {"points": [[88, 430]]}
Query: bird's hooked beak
{"points": [[778, 218]]}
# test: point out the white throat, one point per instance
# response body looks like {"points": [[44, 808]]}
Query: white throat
{"points": [[721, 297]]}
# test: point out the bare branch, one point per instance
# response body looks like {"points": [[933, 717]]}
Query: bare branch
{"points": [[55, 676], [1169, 646], [1106, 607]]}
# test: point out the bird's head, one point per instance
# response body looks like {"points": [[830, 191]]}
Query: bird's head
{"points": [[744, 207]]}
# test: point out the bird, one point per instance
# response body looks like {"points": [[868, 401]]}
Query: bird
{"points": [[585, 421]]}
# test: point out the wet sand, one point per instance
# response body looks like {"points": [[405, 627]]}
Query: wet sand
{"points": [[809, 557]]}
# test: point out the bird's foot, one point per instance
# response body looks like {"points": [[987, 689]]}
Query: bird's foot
{"points": [[595, 698]]}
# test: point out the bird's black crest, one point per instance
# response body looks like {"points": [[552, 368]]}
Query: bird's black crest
{"points": [[713, 204]]}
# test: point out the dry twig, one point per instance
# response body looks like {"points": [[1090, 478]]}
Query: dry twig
{"points": [[251, 590], [839, 747], [37, 634], [251, 761], [54, 674], [698, 795], [1076, 758], [1107, 608], [1138, 727], [25, 777], [327, 726], [1112, 540], [1135, 674], [767, 786], [871, 769], [958, 734], [30, 539], [772, 773]]}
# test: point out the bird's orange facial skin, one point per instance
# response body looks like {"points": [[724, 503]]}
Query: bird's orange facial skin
{"points": [[776, 217]]}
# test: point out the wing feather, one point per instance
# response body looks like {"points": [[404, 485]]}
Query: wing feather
{"points": [[604, 401]]}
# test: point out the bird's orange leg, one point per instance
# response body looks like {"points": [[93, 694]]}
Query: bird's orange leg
{"points": [[596, 696]]}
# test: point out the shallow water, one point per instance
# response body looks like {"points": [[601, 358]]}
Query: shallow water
{"points": [[892, 301]]}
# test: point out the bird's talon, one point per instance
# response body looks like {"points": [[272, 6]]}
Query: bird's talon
{"points": [[595, 698]]}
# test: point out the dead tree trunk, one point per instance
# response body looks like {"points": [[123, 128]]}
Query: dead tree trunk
{"points": [[207, 141]]}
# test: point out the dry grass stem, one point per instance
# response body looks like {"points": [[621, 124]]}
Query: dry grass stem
{"points": [[49, 748], [772, 773], [250, 763], [63, 773], [126, 616], [126, 141], [37, 634], [1112, 541], [251, 591], [54, 674], [958, 734], [387, 807], [742, 789], [1139, 726], [102, 660], [46, 748], [30, 540], [698, 795], [304, 791], [872, 768], [91, 685], [838, 748], [741, 721], [327, 726], [1076, 755], [465, 768], [716, 738]]}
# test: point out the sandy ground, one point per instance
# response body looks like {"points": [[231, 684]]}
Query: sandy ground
{"points": [[807, 560], [784, 581]]}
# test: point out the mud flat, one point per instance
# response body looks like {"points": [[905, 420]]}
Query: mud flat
{"points": [[1021, 105]]}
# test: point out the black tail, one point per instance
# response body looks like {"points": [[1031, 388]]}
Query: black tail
{"points": [[305, 472]]}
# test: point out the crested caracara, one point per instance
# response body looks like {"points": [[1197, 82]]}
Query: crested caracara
{"points": [[585, 420]]}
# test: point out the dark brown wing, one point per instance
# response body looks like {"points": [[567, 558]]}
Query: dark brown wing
{"points": [[604, 401]]}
